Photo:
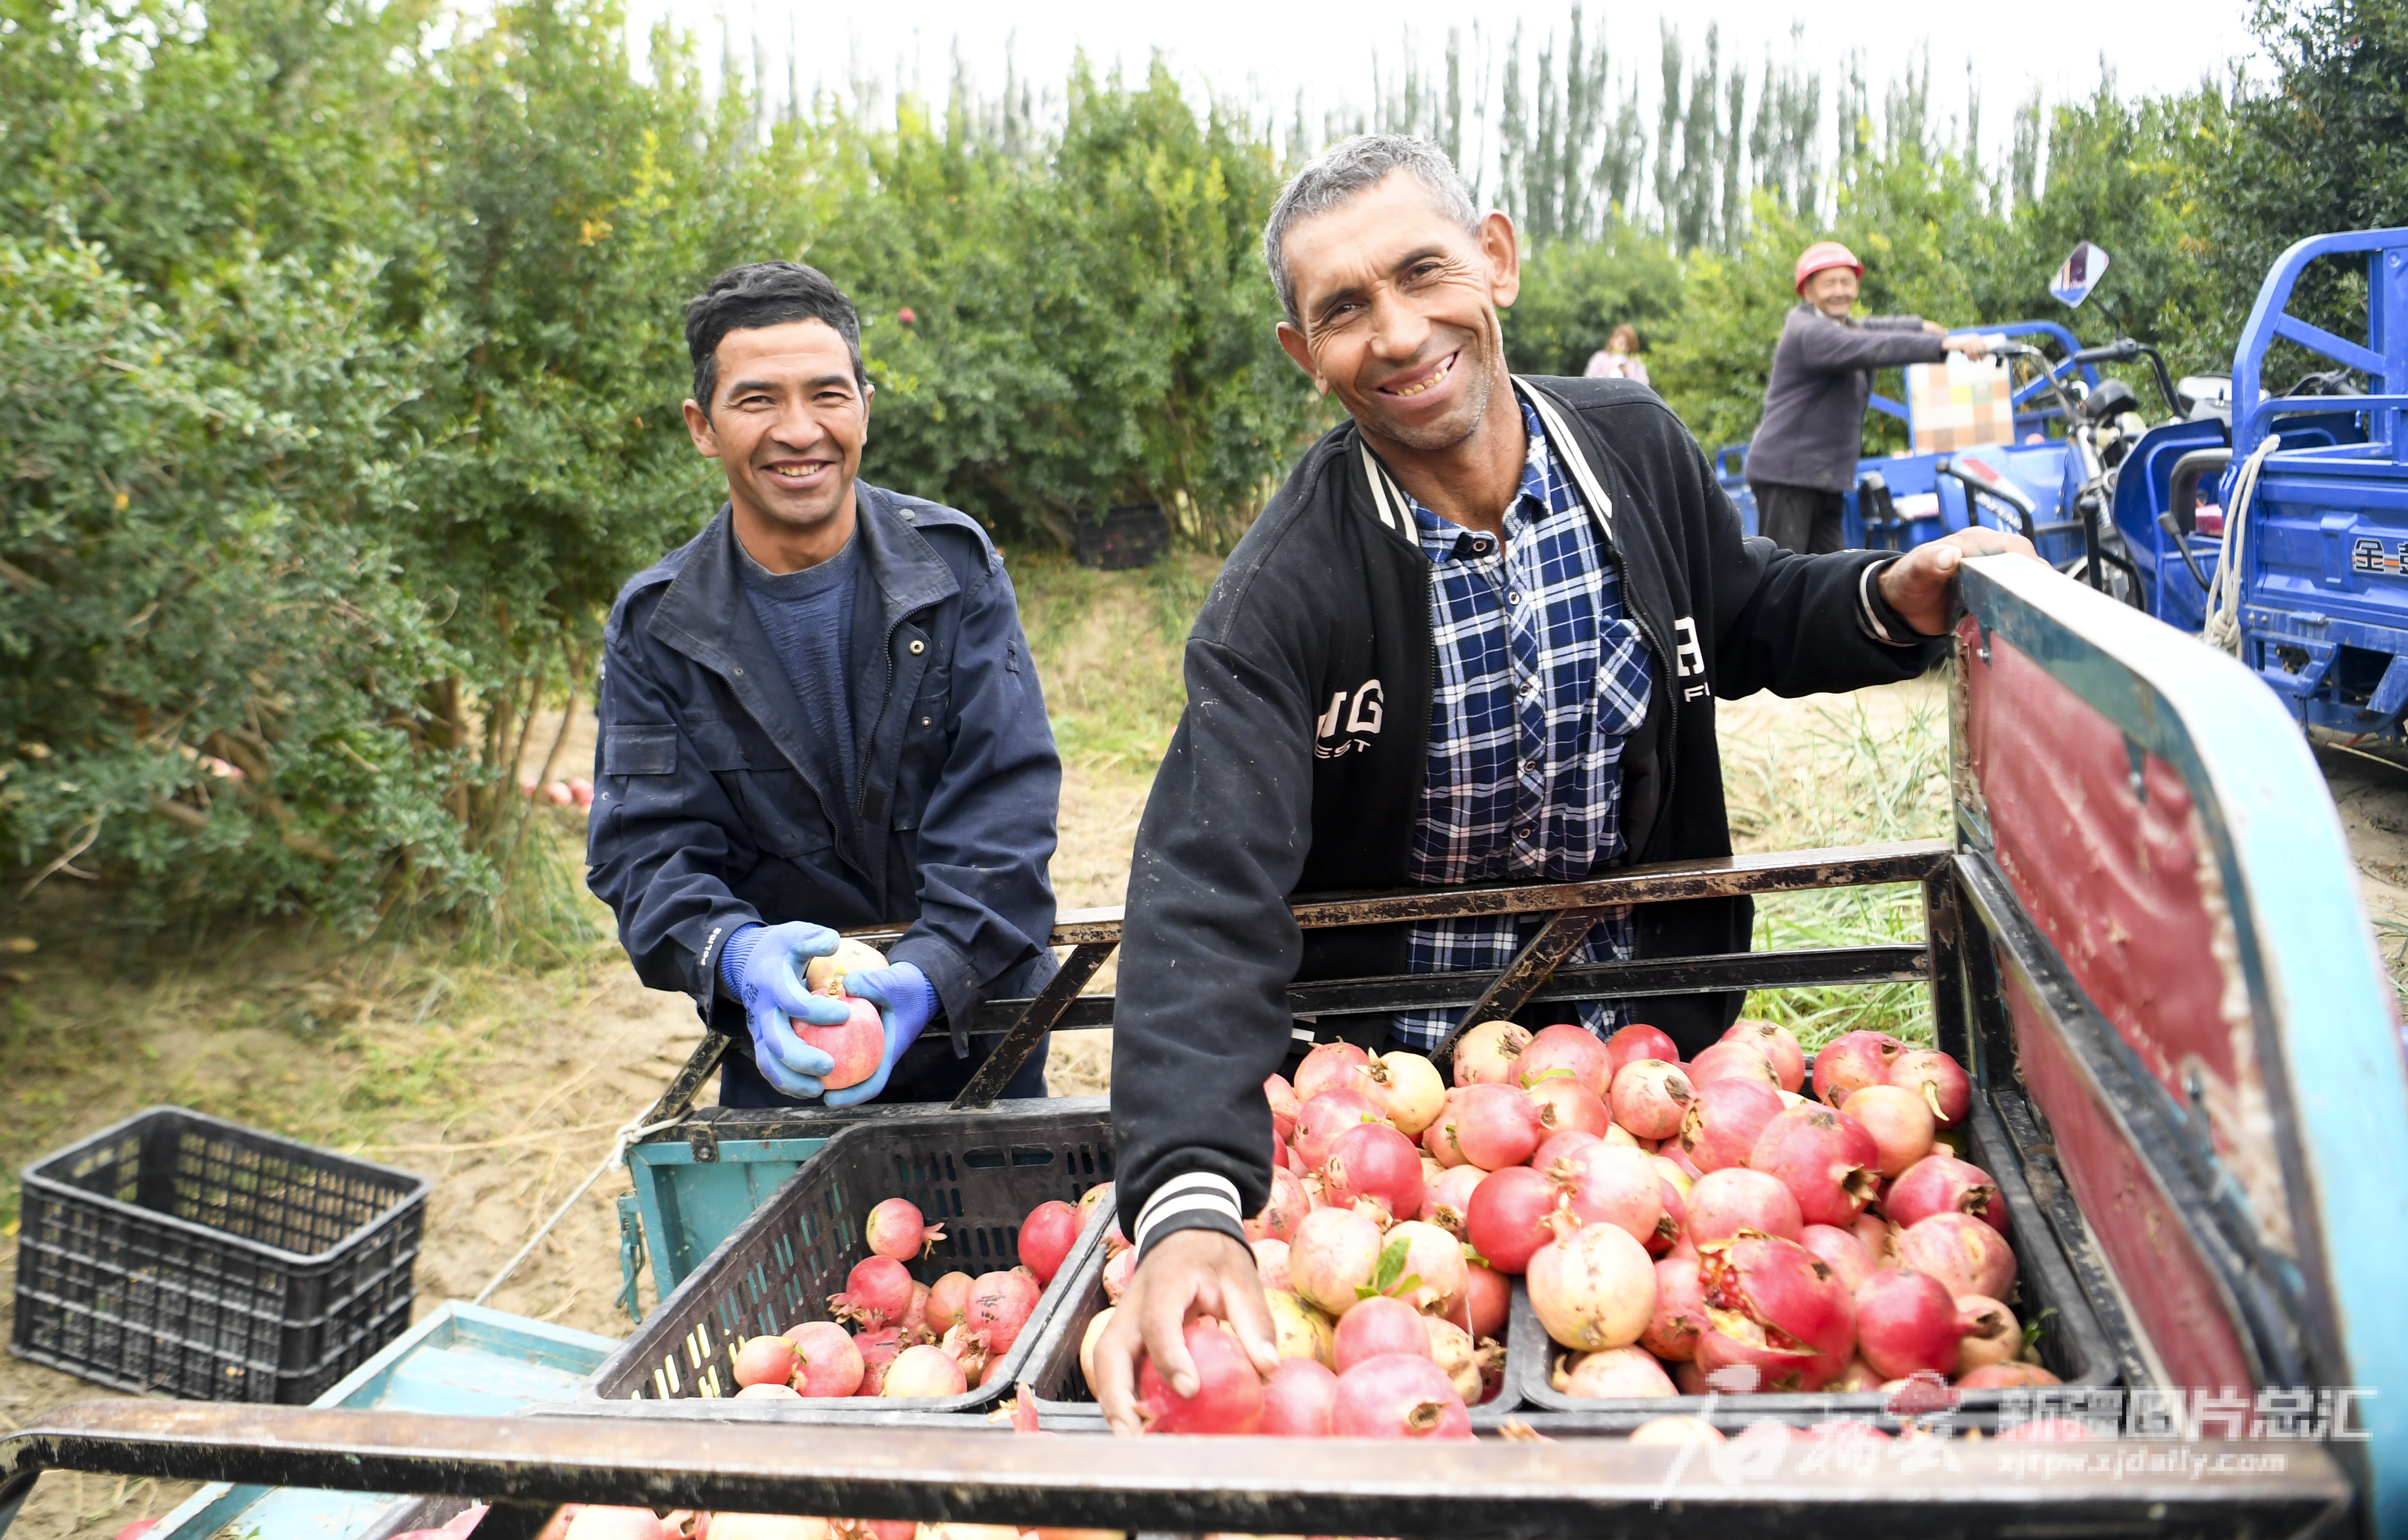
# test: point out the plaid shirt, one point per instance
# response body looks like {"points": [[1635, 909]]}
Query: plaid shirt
{"points": [[1539, 676]]}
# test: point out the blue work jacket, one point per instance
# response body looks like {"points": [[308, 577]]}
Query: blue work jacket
{"points": [[708, 815]]}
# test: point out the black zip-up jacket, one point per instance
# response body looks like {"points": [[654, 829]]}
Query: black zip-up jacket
{"points": [[707, 814], [1298, 765]]}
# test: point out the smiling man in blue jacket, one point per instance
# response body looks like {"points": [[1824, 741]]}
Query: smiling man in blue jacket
{"points": [[821, 714]]}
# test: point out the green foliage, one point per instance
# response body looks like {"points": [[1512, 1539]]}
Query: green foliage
{"points": [[1573, 294]]}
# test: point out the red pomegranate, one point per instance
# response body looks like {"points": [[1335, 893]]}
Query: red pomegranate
{"points": [[1447, 1200], [999, 1306], [1495, 1126], [1284, 1105], [1991, 1334], [1568, 1045], [1287, 1209], [1488, 1301], [1372, 1162], [1733, 1060], [1046, 1237], [769, 1361], [1672, 1188], [1908, 1323], [1507, 1219], [1297, 1399], [1962, 1252], [1843, 1253], [1680, 1315], [1592, 1288], [1822, 1157], [1490, 1054], [1941, 1184], [1397, 1395], [2007, 1376], [1327, 1115], [1375, 1327], [876, 1292], [1437, 1140], [896, 1229], [1335, 1252], [827, 1362], [858, 1043], [877, 1349], [1851, 1061], [1556, 1145], [1564, 1105], [1774, 1305], [1778, 1044], [1228, 1396], [1611, 1185], [1651, 1098], [1901, 1125], [1330, 1067], [1639, 1041], [1725, 1119], [1937, 1078], [1724, 1202]]}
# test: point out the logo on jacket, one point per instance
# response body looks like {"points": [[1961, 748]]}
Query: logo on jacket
{"points": [[1688, 659], [1350, 723]]}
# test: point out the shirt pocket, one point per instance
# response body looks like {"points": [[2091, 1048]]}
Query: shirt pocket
{"points": [[780, 811], [1625, 678], [926, 743]]}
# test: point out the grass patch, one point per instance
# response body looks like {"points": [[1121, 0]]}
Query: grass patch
{"points": [[1108, 646], [1841, 777]]}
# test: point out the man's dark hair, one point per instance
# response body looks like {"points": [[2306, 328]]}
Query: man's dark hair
{"points": [[764, 293]]}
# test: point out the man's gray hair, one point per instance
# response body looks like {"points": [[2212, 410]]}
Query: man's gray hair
{"points": [[1345, 172]]}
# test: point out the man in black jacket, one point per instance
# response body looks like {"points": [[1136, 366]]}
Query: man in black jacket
{"points": [[820, 714], [1477, 636]]}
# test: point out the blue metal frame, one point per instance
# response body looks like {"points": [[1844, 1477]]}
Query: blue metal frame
{"points": [[2383, 359], [2327, 1036]]}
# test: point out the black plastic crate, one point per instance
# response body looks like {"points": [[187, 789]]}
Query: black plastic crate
{"points": [[1064, 1403], [976, 1173], [2072, 1343], [182, 1254]]}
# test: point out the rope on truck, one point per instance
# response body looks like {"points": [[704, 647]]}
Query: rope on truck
{"points": [[2223, 629], [629, 1133]]}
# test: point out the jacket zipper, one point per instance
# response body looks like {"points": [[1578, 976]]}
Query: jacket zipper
{"points": [[1663, 659]]}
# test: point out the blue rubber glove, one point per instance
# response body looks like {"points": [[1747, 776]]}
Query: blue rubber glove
{"points": [[905, 1001], [762, 966]]}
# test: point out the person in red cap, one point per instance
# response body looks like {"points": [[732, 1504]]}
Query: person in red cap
{"points": [[1803, 459]]}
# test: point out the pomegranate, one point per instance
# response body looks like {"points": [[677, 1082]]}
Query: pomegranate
{"points": [[1605, 1184], [595, 1523], [1488, 1300], [1228, 1396], [1638, 1040], [1495, 1126], [1284, 1105], [825, 975], [1372, 1163], [1859, 1377], [1287, 1209], [1437, 1140], [1676, 1430], [1878, 1236], [1378, 1326], [1680, 1312], [1506, 1219], [1407, 1088], [1991, 1334], [1000, 1304], [1651, 1098], [1962, 1252], [1670, 1170], [1843, 1254], [1734, 1061], [858, 1043], [1270, 1263], [1336, 1251], [765, 1526], [1568, 1047], [876, 1292], [915, 1318], [2007, 1376], [877, 1350], [826, 1362], [1325, 1117], [1853, 1061], [923, 1372], [1330, 1066], [1046, 1237], [1941, 1184], [769, 1390], [894, 1229], [1593, 1288], [1445, 1202], [1297, 1329], [1673, 1228], [1117, 1274], [1297, 1399], [767, 1360], [1615, 1373], [1724, 1202], [1491, 1055], [1432, 1255], [1779, 1047], [1822, 1157], [1772, 1304], [1566, 1106], [1899, 1121], [1908, 1323], [1470, 1367], [1556, 1145], [1397, 1395], [1937, 1079]]}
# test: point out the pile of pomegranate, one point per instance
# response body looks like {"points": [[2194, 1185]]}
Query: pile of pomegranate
{"points": [[890, 1335], [581, 1522]]}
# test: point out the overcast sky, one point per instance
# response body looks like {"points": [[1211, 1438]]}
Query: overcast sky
{"points": [[1267, 50]]}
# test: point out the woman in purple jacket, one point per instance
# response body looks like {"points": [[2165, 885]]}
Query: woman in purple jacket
{"points": [[1803, 459]]}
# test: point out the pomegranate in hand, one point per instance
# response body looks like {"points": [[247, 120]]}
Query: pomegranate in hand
{"points": [[858, 1043]]}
